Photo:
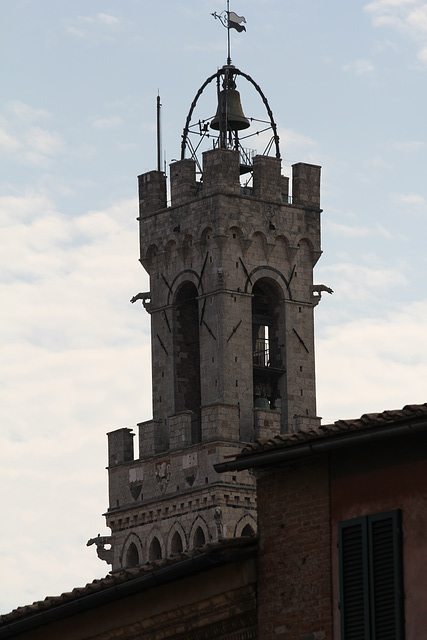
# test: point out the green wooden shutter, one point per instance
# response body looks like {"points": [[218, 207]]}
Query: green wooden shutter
{"points": [[354, 600], [385, 575], [371, 577]]}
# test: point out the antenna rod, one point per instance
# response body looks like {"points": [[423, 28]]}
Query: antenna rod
{"points": [[159, 151], [228, 32]]}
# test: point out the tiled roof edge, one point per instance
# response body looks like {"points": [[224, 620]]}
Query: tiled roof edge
{"points": [[368, 421], [208, 556]]}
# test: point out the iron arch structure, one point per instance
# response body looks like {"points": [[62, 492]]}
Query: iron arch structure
{"points": [[201, 127]]}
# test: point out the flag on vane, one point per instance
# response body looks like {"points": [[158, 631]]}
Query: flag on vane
{"points": [[234, 21]]}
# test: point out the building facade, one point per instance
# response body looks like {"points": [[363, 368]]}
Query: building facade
{"points": [[341, 551], [342, 512]]}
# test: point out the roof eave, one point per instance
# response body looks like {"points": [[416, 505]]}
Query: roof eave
{"points": [[318, 446]]}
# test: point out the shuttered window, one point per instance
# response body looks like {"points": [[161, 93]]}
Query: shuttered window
{"points": [[371, 586]]}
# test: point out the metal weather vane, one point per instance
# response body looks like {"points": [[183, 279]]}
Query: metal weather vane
{"points": [[229, 121], [230, 20]]}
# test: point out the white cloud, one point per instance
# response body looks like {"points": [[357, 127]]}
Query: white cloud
{"points": [[364, 282], [410, 198], [101, 26], [24, 141], [70, 370], [384, 5], [296, 145], [373, 364], [26, 113], [42, 142], [108, 19], [9, 142], [360, 67], [378, 162], [418, 18], [422, 55], [108, 123], [356, 231], [408, 146], [409, 17]]}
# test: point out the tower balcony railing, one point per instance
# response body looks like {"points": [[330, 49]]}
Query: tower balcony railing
{"points": [[261, 355]]}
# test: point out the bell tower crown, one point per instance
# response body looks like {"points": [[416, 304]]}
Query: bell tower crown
{"points": [[230, 260]]}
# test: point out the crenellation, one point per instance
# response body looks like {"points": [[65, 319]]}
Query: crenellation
{"points": [[306, 184], [267, 180], [152, 192], [182, 181]]}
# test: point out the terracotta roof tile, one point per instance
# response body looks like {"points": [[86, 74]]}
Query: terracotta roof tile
{"points": [[230, 548], [368, 421]]}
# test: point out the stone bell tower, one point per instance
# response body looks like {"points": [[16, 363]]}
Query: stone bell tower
{"points": [[231, 304]]}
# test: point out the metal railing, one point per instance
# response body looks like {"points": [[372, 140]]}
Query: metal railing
{"points": [[261, 355]]}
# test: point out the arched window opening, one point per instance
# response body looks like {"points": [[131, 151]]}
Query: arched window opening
{"points": [[155, 551], [248, 532], [199, 537], [132, 556], [176, 544], [187, 356], [268, 344]]}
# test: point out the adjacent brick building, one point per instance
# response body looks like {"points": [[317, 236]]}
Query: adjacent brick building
{"points": [[342, 516], [341, 552]]}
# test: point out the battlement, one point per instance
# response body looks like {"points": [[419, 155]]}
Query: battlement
{"points": [[221, 174], [120, 446]]}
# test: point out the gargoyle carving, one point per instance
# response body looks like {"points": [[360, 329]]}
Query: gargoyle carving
{"points": [[146, 299], [103, 553], [317, 290]]}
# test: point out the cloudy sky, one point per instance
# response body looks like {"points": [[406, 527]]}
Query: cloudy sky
{"points": [[347, 83]]}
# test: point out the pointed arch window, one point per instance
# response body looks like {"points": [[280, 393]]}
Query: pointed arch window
{"points": [[155, 551], [132, 556], [199, 538], [267, 343], [176, 544], [248, 532], [187, 356]]}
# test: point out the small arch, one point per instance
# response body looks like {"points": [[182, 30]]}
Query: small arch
{"points": [[176, 544], [206, 236], [247, 531], [151, 251], [155, 550], [305, 243], [173, 543], [199, 523], [183, 277], [265, 271], [259, 243], [199, 539], [188, 240], [132, 555], [236, 234], [131, 551], [246, 526], [282, 247], [186, 248], [170, 246]]}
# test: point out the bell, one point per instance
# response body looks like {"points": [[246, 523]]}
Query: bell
{"points": [[262, 403], [236, 120]]}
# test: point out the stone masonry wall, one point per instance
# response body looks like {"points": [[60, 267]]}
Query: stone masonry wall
{"points": [[205, 254]]}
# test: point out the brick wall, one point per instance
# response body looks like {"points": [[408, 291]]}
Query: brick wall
{"points": [[294, 588]]}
